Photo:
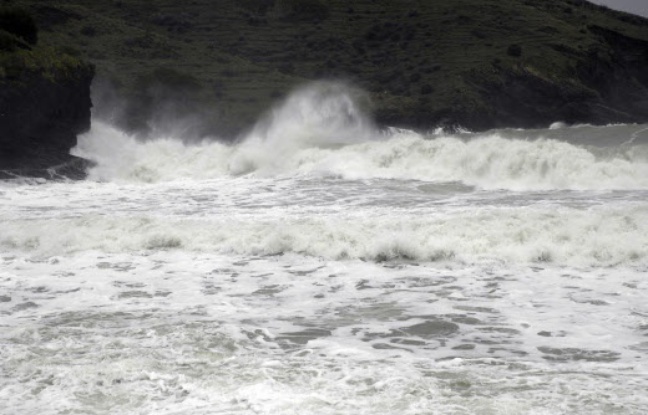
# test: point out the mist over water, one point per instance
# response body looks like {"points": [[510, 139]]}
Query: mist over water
{"points": [[323, 115], [323, 265], [351, 190], [322, 130]]}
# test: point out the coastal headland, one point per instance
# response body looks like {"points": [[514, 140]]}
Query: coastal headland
{"points": [[217, 66]]}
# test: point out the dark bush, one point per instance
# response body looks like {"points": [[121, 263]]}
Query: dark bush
{"points": [[179, 23], [257, 21], [51, 15], [11, 43], [258, 7], [426, 89], [89, 31], [70, 50], [287, 68], [228, 73], [478, 34], [20, 23], [514, 50], [144, 42], [313, 11]]}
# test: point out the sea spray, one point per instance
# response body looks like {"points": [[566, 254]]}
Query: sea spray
{"points": [[122, 157], [397, 273], [318, 115], [323, 130], [593, 237]]}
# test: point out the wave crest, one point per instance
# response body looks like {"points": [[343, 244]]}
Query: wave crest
{"points": [[323, 130], [595, 237]]}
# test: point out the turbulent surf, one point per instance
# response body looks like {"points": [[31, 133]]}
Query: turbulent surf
{"points": [[323, 265]]}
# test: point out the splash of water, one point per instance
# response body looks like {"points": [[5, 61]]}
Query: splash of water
{"points": [[322, 129], [318, 115]]}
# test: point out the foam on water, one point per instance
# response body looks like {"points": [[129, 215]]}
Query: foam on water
{"points": [[487, 161], [323, 115], [597, 236], [121, 157], [321, 130], [321, 266], [175, 332]]}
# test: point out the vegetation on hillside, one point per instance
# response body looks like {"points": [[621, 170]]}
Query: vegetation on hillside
{"points": [[18, 23], [22, 57], [424, 62]]}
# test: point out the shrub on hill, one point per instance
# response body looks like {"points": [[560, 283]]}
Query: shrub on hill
{"points": [[20, 23], [514, 50], [258, 7], [312, 11], [10, 42]]}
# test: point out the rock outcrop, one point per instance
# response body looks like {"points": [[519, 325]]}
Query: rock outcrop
{"points": [[44, 102], [479, 64], [608, 84], [40, 117]]}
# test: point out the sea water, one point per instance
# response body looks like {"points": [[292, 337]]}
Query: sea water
{"points": [[321, 265]]}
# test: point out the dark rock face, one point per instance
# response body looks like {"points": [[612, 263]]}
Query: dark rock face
{"points": [[479, 64], [40, 117], [605, 89], [608, 85], [623, 80]]}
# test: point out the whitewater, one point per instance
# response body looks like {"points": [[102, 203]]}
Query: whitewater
{"points": [[324, 265]]}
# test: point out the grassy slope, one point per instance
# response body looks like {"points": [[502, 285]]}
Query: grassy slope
{"points": [[40, 60], [420, 59]]}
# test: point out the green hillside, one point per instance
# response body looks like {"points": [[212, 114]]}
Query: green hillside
{"points": [[481, 64]]}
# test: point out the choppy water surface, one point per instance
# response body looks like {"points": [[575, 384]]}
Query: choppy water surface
{"points": [[324, 267]]}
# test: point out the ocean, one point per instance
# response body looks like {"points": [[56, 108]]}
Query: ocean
{"points": [[322, 265]]}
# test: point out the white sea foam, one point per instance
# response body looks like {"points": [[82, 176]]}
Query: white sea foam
{"points": [[121, 157], [320, 130], [322, 115], [180, 332], [487, 161], [565, 236], [259, 277]]}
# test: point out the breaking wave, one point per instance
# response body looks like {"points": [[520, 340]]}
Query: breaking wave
{"points": [[601, 236], [322, 130]]}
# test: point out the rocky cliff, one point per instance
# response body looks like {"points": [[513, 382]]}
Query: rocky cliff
{"points": [[40, 118], [44, 104], [608, 83], [475, 63]]}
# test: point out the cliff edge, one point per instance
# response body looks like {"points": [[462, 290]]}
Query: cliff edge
{"points": [[44, 103], [479, 64]]}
